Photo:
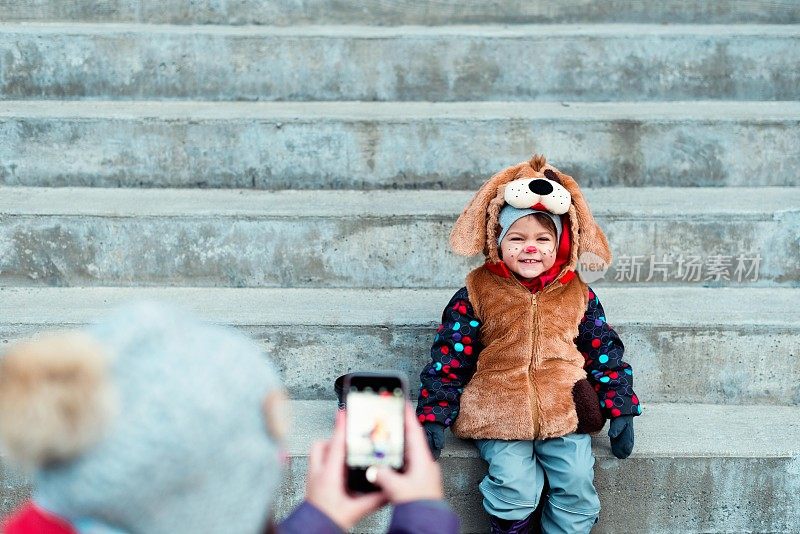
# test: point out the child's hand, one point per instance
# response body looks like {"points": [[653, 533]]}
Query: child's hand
{"points": [[434, 432], [422, 479], [621, 434], [326, 482]]}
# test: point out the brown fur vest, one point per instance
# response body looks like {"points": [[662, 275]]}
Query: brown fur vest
{"points": [[529, 381]]}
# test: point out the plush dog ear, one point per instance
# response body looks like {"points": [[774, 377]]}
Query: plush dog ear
{"points": [[590, 237], [56, 398], [468, 236]]}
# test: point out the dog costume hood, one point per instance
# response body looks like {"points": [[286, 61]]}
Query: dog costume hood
{"points": [[477, 228]]}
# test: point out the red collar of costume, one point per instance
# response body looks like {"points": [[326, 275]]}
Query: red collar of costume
{"points": [[534, 285]]}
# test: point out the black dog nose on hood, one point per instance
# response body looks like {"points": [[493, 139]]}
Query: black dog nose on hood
{"points": [[541, 187]]}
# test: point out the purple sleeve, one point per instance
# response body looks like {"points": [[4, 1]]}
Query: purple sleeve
{"points": [[424, 517], [308, 518], [602, 349]]}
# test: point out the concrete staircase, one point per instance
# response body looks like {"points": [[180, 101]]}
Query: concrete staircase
{"points": [[293, 169]]}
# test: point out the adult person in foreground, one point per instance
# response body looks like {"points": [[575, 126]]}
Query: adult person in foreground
{"points": [[153, 421]]}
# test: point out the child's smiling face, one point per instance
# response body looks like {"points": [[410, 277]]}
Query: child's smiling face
{"points": [[528, 248]]}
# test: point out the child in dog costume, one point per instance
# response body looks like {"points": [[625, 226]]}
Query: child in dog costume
{"points": [[528, 366]]}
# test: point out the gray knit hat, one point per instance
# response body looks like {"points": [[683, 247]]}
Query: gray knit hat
{"points": [[509, 215], [189, 450]]}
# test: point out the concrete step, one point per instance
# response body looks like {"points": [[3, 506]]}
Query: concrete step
{"points": [[443, 63], [156, 237], [399, 12], [722, 345], [321, 145], [695, 468]]}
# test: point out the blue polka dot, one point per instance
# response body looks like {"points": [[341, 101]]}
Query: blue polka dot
{"points": [[639, 409], [435, 339], [438, 366], [603, 358], [456, 326], [459, 347], [473, 323], [598, 322], [628, 372], [605, 380]]}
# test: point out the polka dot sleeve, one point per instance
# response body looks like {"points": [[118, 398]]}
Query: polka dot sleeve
{"points": [[602, 351], [453, 355]]}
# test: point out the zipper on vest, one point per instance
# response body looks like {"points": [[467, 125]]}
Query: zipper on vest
{"points": [[534, 361]]}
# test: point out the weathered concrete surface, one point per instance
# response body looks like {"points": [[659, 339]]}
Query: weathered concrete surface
{"points": [[729, 346], [120, 237], [365, 145], [695, 468], [729, 476], [14, 488], [398, 12], [444, 63]]}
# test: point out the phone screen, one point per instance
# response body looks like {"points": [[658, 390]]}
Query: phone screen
{"points": [[375, 415]]}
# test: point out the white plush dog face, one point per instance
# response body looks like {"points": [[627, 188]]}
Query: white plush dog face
{"points": [[538, 193]]}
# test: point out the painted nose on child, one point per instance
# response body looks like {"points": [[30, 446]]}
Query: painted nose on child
{"points": [[530, 250]]}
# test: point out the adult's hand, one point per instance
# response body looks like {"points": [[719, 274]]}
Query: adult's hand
{"points": [[422, 479], [326, 482]]}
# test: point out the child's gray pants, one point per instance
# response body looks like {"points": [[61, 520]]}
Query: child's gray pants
{"points": [[514, 483]]}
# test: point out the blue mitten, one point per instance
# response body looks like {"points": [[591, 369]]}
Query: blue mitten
{"points": [[434, 432], [621, 434]]}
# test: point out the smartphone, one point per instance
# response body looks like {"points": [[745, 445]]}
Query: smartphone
{"points": [[375, 426]]}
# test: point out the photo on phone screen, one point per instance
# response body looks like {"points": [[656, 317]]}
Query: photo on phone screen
{"points": [[375, 426]]}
